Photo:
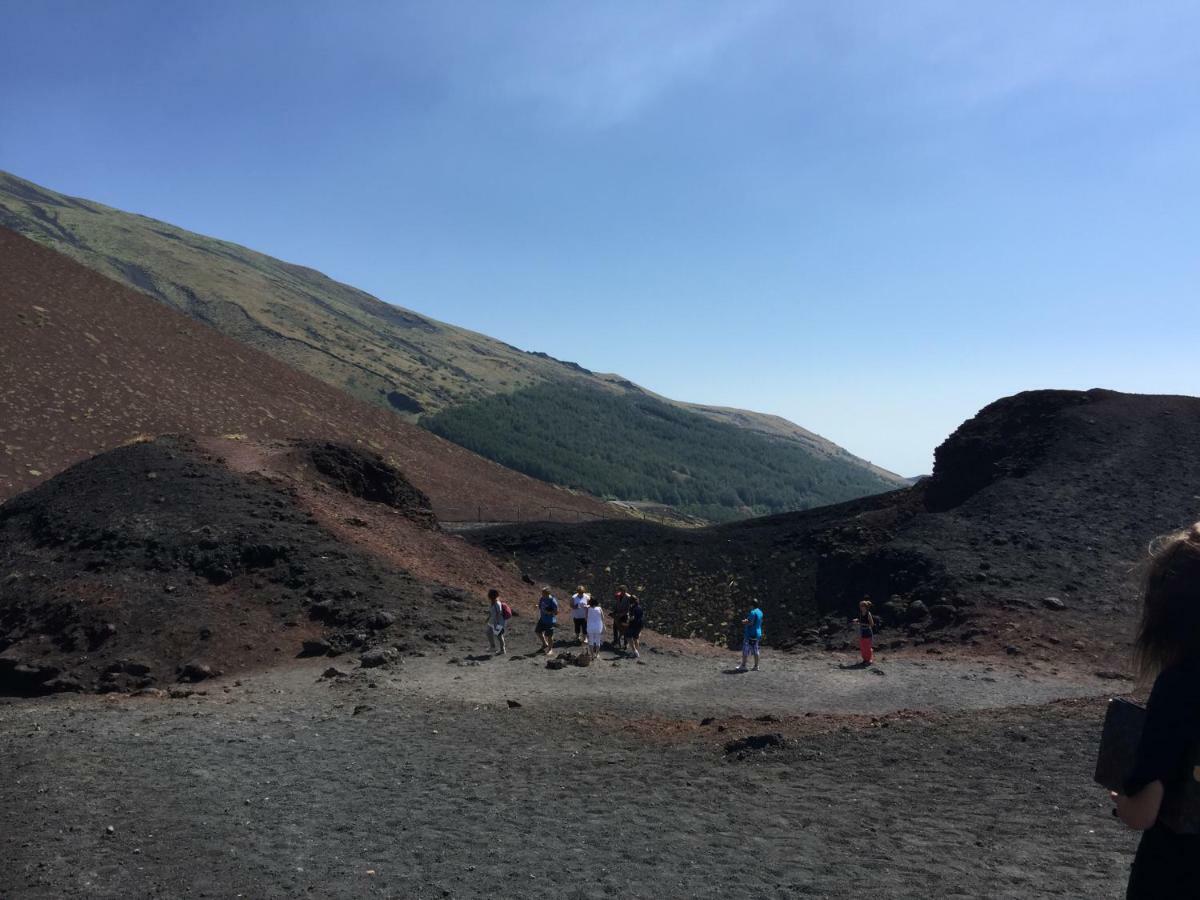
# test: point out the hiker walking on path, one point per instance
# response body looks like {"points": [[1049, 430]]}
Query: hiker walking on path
{"points": [[633, 630], [866, 631], [1155, 797], [547, 617], [595, 627], [752, 632], [579, 611], [620, 617], [497, 623]]}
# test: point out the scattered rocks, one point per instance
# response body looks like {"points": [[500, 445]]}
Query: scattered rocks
{"points": [[194, 672], [333, 672], [755, 743], [1053, 603], [379, 657], [316, 647]]}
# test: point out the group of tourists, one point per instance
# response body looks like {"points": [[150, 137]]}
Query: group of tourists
{"points": [[627, 618], [587, 616]]}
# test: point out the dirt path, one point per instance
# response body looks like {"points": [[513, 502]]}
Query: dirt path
{"points": [[672, 684], [423, 782]]}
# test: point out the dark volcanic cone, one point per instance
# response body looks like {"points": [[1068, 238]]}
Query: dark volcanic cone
{"points": [[154, 563]]}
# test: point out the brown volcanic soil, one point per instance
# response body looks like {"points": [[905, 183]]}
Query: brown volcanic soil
{"points": [[126, 569], [87, 365], [1043, 494]]}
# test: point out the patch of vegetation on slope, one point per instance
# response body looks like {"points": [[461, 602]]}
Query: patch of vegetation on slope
{"points": [[634, 447]]}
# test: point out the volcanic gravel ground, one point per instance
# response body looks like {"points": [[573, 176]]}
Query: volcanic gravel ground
{"points": [[290, 785]]}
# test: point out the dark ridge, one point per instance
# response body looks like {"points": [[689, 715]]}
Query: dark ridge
{"points": [[1041, 505]]}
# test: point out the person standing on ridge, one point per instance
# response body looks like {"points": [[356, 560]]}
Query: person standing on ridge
{"points": [[866, 631], [620, 617], [497, 622], [579, 610], [752, 632], [547, 617]]}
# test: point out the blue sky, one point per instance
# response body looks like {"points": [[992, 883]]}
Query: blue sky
{"points": [[871, 218]]}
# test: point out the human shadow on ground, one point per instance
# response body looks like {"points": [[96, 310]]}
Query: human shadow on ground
{"points": [[858, 665], [736, 671]]}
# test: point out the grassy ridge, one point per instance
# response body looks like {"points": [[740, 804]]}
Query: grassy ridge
{"points": [[417, 366], [634, 447]]}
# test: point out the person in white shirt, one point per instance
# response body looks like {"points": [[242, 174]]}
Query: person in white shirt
{"points": [[595, 627], [579, 608]]}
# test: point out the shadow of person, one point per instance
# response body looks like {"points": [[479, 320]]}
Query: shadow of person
{"points": [[482, 657], [736, 670], [861, 664]]}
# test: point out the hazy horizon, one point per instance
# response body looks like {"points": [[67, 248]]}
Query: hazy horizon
{"points": [[868, 220]]}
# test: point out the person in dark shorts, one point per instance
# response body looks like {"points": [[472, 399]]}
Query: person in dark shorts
{"points": [[579, 608], [620, 617], [633, 630], [1168, 649], [547, 617]]}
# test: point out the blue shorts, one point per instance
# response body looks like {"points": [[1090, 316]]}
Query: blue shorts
{"points": [[749, 647], [544, 627]]}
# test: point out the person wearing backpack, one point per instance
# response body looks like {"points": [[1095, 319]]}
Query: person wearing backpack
{"points": [[547, 617], [498, 616]]}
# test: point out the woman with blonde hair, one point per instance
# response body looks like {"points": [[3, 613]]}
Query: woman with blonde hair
{"points": [[1168, 650]]}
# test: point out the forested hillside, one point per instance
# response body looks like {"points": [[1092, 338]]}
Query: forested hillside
{"points": [[635, 447]]}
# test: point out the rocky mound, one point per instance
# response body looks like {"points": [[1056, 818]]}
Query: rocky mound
{"points": [[369, 477], [87, 365], [1023, 539], [154, 563]]}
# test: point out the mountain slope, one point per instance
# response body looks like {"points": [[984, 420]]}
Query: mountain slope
{"points": [[377, 352], [635, 446], [87, 364], [1045, 494]]}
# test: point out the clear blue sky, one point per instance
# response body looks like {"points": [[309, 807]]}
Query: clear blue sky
{"points": [[871, 218]]}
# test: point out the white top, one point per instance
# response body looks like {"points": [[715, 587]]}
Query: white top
{"points": [[595, 619], [579, 605]]}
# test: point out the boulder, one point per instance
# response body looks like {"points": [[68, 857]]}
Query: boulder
{"points": [[378, 657]]}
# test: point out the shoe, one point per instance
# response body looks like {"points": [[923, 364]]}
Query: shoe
{"points": [[741, 669]]}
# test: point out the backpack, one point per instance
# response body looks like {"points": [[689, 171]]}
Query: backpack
{"points": [[505, 610]]}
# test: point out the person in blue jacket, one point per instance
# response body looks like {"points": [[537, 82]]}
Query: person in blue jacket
{"points": [[752, 632]]}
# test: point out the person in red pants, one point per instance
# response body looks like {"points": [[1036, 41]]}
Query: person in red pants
{"points": [[866, 631]]}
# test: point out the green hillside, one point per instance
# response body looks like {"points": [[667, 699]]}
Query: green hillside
{"points": [[414, 365], [635, 447]]}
